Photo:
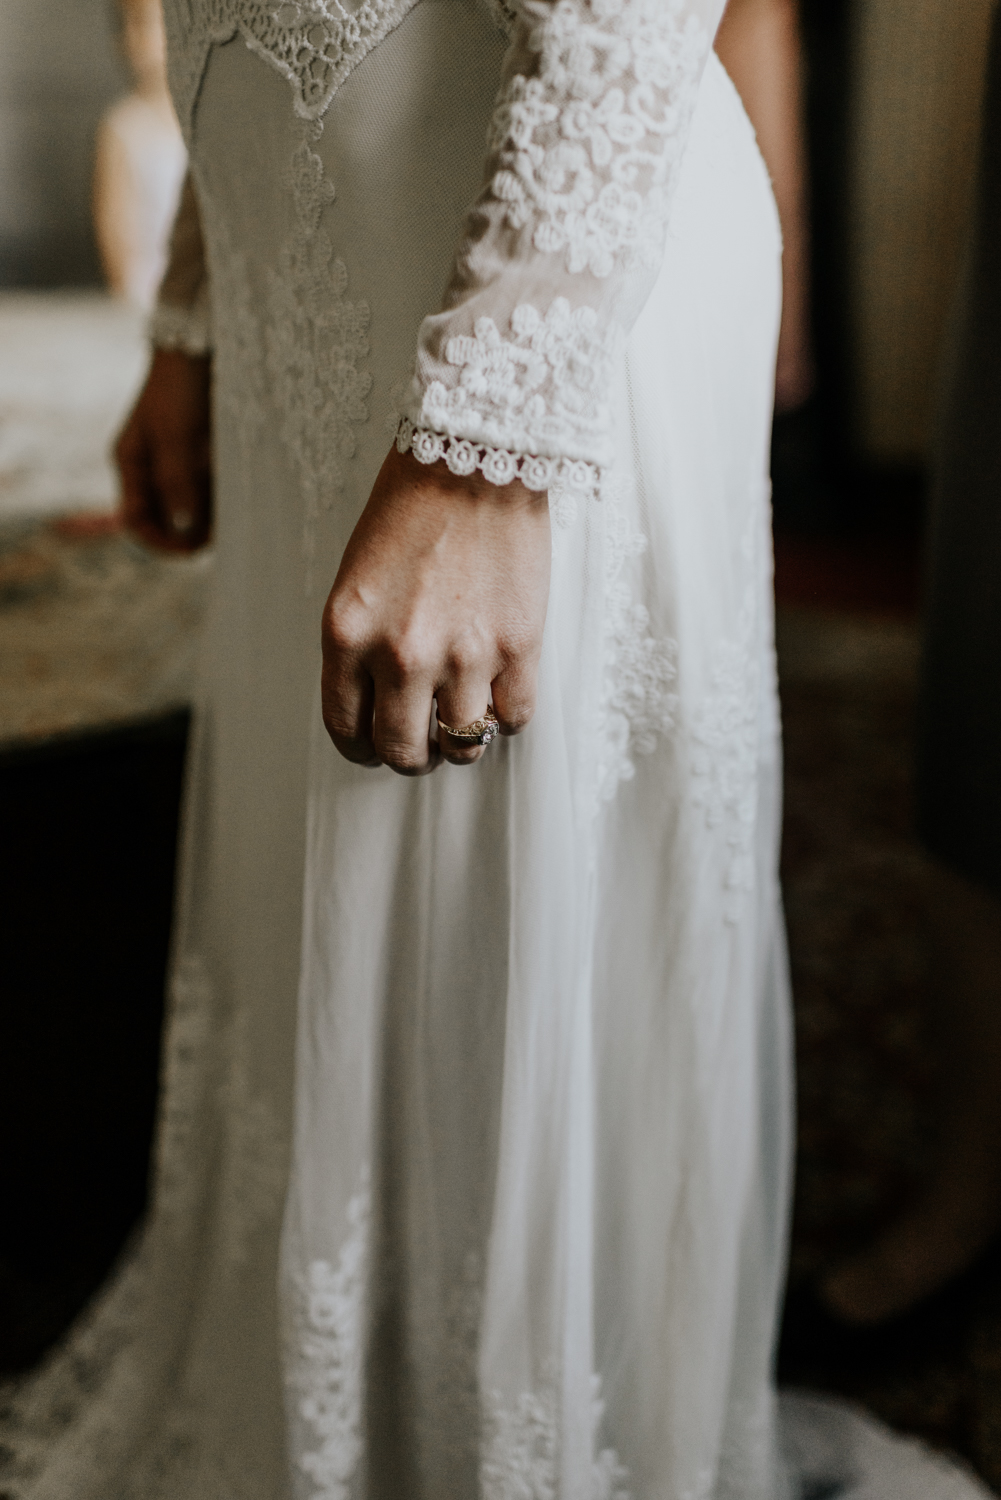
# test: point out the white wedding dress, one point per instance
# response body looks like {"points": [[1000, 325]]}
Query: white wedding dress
{"points": [[474, 1157]]}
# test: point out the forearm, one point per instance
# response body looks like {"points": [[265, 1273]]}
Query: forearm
{"points": [[759, 45]]}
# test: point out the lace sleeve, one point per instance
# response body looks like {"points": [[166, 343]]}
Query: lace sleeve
{"points": [[565, 240], [180, 319]]}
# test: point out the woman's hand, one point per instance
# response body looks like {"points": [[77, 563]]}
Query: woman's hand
{"points": [[164, 455], [441, 594]]}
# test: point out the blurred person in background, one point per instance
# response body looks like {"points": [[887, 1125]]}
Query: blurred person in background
{"points": [[139, 163], [949, 1235]]}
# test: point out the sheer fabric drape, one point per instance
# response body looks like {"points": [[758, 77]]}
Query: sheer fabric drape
{"points": [[473, 1165]]}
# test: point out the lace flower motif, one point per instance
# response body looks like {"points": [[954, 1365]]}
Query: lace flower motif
{"points": [[587, 148], [639, 703], [521, 1447], [541, 391], [327, 1367], [316, 340], [725, 754]]}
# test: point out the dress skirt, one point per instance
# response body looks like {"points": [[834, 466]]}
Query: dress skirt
{"points": [[473, 1162]]}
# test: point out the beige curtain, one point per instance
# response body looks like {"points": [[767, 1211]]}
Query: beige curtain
{"points": [[918, 72]]}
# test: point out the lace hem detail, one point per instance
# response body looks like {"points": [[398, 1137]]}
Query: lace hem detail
{"points": [[521, 1447], [498, 465], [327, 1365], [184, 328]]}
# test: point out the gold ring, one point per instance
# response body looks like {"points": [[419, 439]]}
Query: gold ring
{"points": [[479, 732]]}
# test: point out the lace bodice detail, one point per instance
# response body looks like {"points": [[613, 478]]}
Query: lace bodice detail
{"points": [[315, 44], [565, 239]]}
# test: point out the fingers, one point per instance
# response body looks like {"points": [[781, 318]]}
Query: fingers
{"points": [[461, 702], [401, 727], [514, 692], [347, 695], [138, 497], [164, 456], [183, 488], [376, 707]]}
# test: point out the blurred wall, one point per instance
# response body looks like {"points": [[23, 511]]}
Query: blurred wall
{"points": [[917, 68], [59, 69]]}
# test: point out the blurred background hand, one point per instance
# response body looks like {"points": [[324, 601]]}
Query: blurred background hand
{"points": [[164, 455]]}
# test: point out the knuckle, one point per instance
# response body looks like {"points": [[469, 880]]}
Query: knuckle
{"points": [[466, 658], [343, 629], [406, 657], [520, 646]]}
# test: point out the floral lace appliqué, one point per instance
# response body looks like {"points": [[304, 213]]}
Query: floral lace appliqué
{"points": [[255, 1162], [521, 1448], [315, 339], [315, 44], [588, 146], [638, 702], [725, 756], [238, 338], [327, 1368], [541, 391]]}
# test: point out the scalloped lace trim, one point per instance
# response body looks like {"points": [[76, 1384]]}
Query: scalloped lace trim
{"points": [[498, 465], [540, 390], [185, 328]]}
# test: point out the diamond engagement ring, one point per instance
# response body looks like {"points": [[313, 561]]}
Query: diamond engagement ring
{"points": [[479, 732]]}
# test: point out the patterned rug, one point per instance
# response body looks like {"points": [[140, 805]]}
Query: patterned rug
{"points": [[95, 631]]}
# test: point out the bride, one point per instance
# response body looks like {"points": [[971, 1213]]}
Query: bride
{"points": [[473, 1159]]}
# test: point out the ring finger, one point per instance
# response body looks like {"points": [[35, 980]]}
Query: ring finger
{"points": [[459, 707]]}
